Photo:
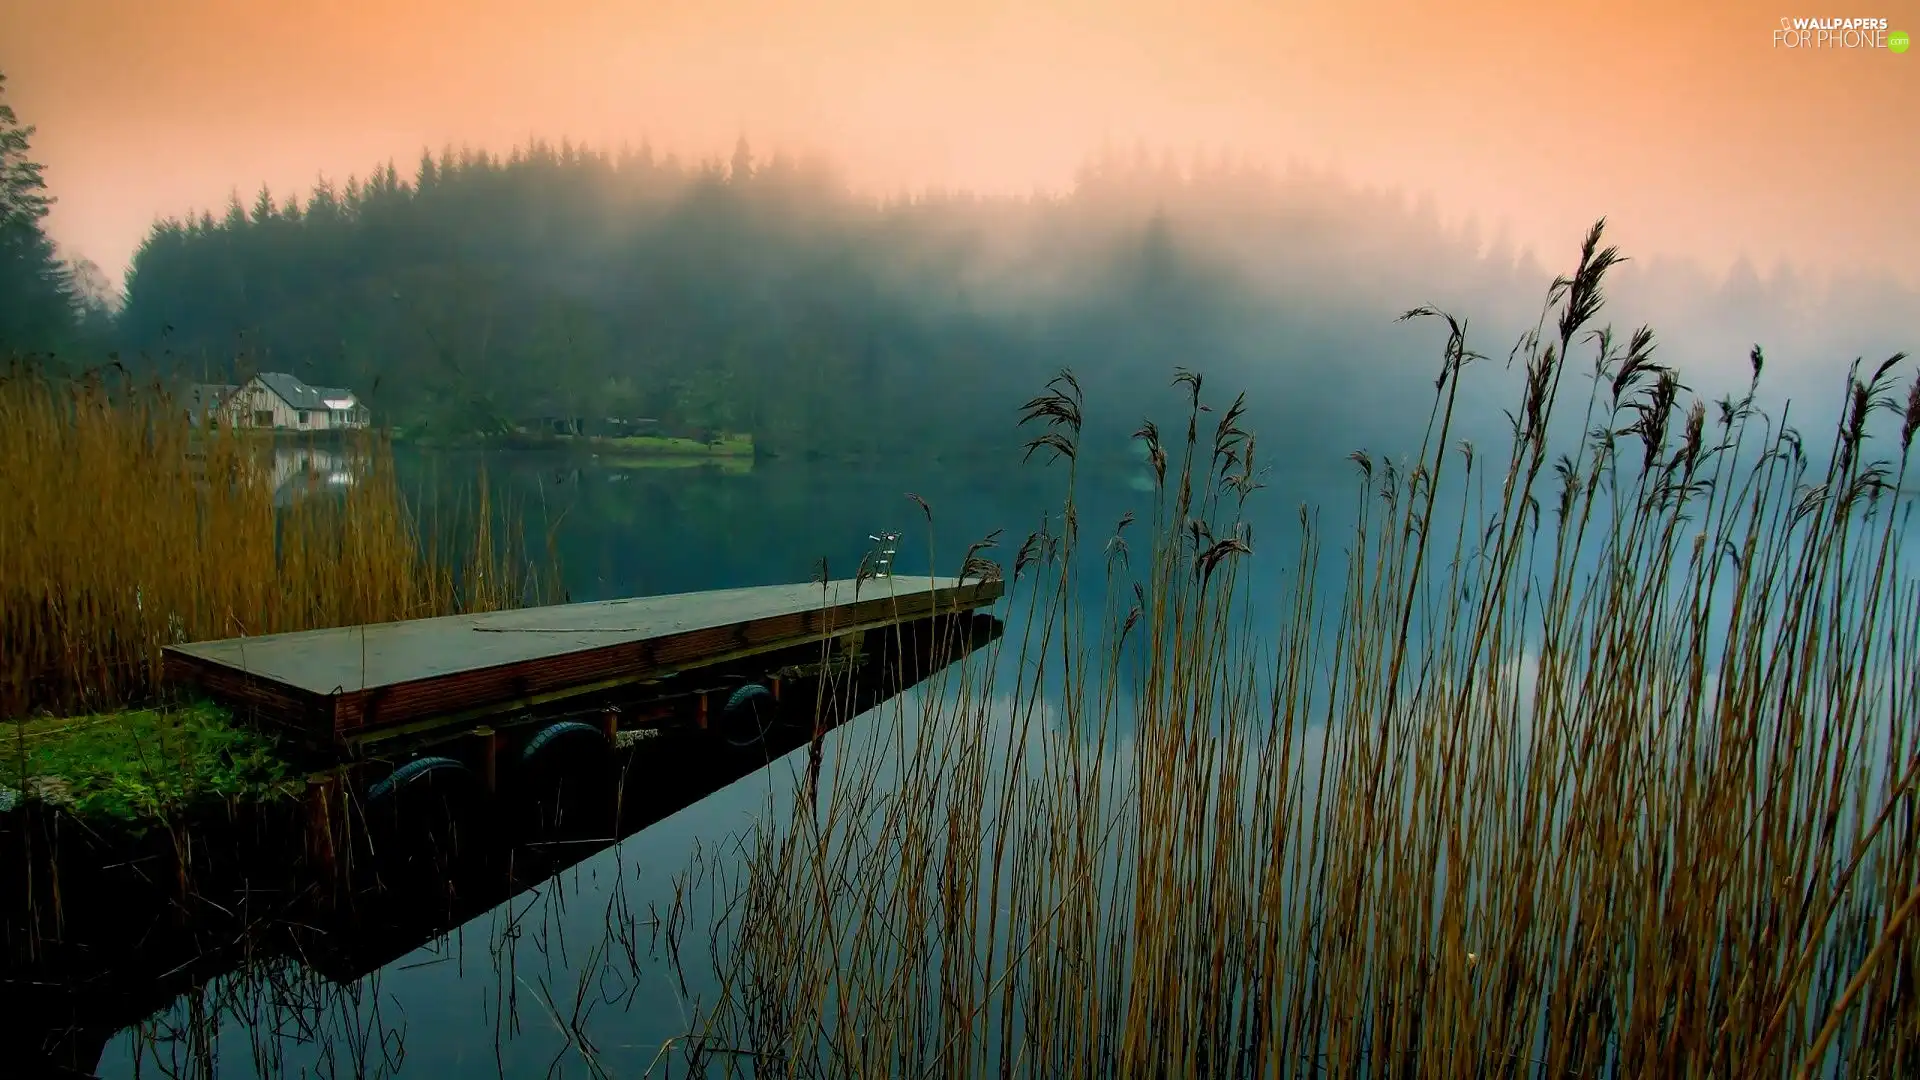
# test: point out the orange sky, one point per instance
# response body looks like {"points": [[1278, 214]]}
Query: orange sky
{"points": [[1679, 120]]}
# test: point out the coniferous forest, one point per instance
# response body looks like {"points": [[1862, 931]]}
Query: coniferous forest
{"points": [[480, 290], [475, 291]]}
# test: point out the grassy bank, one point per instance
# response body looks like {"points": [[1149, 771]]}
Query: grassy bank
{"points": [[142, 765], [129, 529], [726, 446], [1600, 762]]}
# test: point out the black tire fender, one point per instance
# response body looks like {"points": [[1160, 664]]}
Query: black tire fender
{"points": [[747, 709], [423, 770], [565, 732]]}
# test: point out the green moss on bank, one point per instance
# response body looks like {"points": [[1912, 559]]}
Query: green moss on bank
{"points": [[726, 446], [140, 765]]}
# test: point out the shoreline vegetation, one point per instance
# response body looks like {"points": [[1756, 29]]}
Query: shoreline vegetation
{"points": [[131, 528], [722, 445], [1612, 778], [729, 452]]}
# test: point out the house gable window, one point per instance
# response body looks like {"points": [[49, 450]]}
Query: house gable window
{"points": [[303, 418], [263, 418]]}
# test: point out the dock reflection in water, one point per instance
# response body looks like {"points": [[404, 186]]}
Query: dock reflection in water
{"points": [[255, 934]]}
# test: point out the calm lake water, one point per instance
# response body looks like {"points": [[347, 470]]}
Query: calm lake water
{"points": [[583, 959], [500, 994]]}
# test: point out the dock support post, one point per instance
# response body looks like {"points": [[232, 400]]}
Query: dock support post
{"points": [[851, 645], [610, 725], [773, 684], [701, 715], [489, 740], [324, 829]]}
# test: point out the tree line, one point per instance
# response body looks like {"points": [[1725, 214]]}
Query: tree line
{"points": [[477, 291]]}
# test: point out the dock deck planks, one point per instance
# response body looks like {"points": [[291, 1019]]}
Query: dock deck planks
{"points": [[336, 684]]}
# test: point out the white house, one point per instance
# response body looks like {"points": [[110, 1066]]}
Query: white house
{"points": [[281, 402]]}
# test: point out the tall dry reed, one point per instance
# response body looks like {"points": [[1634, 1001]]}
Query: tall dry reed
{"points": [[1602, 764], [127, 527]]}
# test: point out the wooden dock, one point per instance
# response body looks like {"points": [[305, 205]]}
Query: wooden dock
{"points": [[344, 684]]}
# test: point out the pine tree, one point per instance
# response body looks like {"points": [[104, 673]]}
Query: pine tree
{"points": [[37, 308], [742, 162], [236, 219], [263, 208]]}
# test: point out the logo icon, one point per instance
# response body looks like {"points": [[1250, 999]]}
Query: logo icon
{"points": [[1898, 41]]}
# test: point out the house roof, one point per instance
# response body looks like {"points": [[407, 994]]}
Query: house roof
{"points": [[291, 390], [299, 395]]}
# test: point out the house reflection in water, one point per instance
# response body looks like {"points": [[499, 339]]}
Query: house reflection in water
{"points": [[303, 471]]}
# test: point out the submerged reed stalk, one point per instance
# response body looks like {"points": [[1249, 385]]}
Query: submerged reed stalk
{"points": [[1598, 762]]}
